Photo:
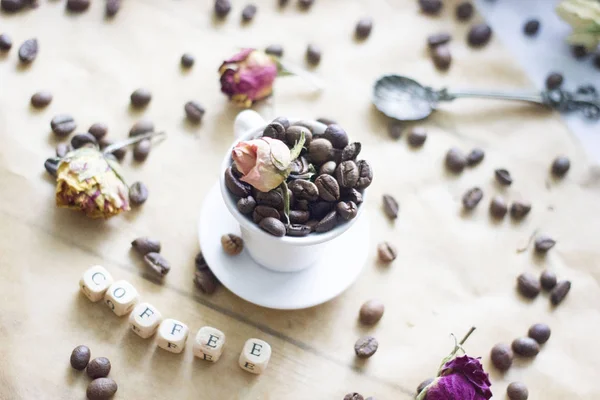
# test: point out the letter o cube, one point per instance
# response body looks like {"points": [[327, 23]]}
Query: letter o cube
{"points": [[255, 356], [94, 283], [172, 335], [144, 320], [121, 297], [209, 344]]}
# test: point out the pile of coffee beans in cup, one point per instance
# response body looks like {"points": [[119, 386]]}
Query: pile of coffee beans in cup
{"points": [[325, 182]]}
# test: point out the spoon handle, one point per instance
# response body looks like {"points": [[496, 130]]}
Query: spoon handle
{"points": [[488, 94]]}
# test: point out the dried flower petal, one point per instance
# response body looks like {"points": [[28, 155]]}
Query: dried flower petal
{"points": [[462, 378]]}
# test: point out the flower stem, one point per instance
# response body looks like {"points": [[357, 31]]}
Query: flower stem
{"points": [[457, 348], [133, 140], [464, 339], [286, 202]]}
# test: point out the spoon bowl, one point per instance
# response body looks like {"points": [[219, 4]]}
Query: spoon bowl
{"points": [[403, 98]]}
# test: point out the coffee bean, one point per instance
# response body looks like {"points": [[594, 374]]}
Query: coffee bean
{"points": [[284, 122], [539, 332], [273, 226], [194, 111], [138, 193], [51, 165], [479, 35], [301, 205], [249, 12], [294, 133], [41, 99], [5, 42], [531, 27], [464, 11], [235, 186], [352, 195], [517, 391], [548, 280], [141, 127], [274, 50], [141, 150], [502, 356], [305, 4], [328, 168], [78, 5], [12, 5], [262, 212], [326, 121], [395, 129], [329, 190], [101, 389], [319, 209], [498, 208], [145, 245], [319, 150], [366, 346], [187, 60], [112, 7], [560, 291], [438, 39], [275, 130], [140, 98], [441, 57], [232, 244], [423, 385], [519, 209], [526, 347], [347, 174], [371, 312], [587, 89], [363, 28], [579, 52], [62, 149], [298, 230], [503, 177], [354, 396], [347, 210], [475, 157], [544, 243], [313, 54], [365, 175], [28, 51], [83, 139], [351, 151], [80, 357], [386, 252], [157, 263], [98, 130], [222, 8], [98, 368], [304, 190], [455, 160], [528, 285], [560, 166], [312, 224], [337, 136], [431, 7], [471, 198], [205, 280], [62, 125], [417, 136], [554, 80], [327, 223], [299, 217], [246, 205], [390, 206], [119, 153]]}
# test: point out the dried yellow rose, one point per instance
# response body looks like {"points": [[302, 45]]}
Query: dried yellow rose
{"points": [[584, 18]]}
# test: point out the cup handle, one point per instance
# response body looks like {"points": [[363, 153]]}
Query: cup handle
{"points": [[246, 121]]}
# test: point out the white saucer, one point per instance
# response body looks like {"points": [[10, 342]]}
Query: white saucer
{"points": [[334, 273]]}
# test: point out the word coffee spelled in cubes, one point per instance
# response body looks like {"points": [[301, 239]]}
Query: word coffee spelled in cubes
{"points": [[94, 283], [121, 297], [209, 344], [172, 335], [255, 356], [144, 320]]}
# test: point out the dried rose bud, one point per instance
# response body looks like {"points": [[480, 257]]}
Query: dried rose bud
{"points": [[460, 378], [255, 160]]}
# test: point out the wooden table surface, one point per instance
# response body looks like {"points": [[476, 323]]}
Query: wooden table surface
{"points": [[453, 271]]}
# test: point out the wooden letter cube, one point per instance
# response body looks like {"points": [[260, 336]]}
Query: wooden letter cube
{"points": [[94, 283], [121, 297], [255, 356], [144, 320], [172, 335], [209, 344]]}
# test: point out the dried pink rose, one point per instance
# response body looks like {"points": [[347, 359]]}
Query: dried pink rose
{"points": [[263, 162], [461, 378]]}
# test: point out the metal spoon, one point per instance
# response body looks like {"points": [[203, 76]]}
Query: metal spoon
{"points": [[405, 99]]}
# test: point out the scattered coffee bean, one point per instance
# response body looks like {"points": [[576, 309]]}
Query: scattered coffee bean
{"points": [[41, 99], [579, 52], [363, 28], [554, 80], [298, 230], [347, 174], [326, 121], [502, 356], [475, 157], [544, 243], [98, 130], [62, 149], [304, 190], [140, 98], [80, 357], [62, 125], [138, 193], [354, 396], [471, 198], [528, 285], [526, 347], [438, 39], [479, 35], [101, 389], [498, 208], [145, 245], [194, 111], [78, 5], [327, 223], [119, 153], [390, 206], [51, 165], [441, 57], [431, 7], [157, 263], [12, 5], [28, 51], [299, 216], [305, 4], [464, 11], [222, 8], [328, 187], [141, 127], [347, 210], [417, 136], [365, 175], [187, 60], [262, 212], [328, 168], [539, 332], [232, 244], [371, 312], [83, 139], [249, 12], [351, 151], [98, 368], [560, 291], [273, 226], [246, 205], [560, 166], [235, 186], [517, 391], [503, 177], [519, 209], [386, 252], [112, 8], [531, 27], [366, 346], [548, 280], [337, 136], [274, 50], [313, 54], [395, 130], [455, 160], [423, 385], [141, 150], [5, 42], [205, 280]]}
